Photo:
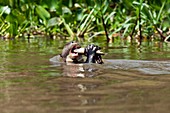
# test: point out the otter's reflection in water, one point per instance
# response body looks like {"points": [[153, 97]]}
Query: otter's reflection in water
{"points": [[89, 70], [79, 70], [75, 69]]}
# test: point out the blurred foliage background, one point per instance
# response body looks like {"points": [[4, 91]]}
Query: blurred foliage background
{"points": [[129, 20]]}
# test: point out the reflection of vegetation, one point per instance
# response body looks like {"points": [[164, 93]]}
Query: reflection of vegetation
{"points": [[79, 18]]}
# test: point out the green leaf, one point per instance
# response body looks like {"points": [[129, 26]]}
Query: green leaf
{"points": [[13, 29], [109, 16], [89, 17], [126, 28], [53, 21], [11, 18], [20, 17], [160, 11], [105, 6], [42, 12], [70, 32], [4, 10], [66, 10], [136, 3]]}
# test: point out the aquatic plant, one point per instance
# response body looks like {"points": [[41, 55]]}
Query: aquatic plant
{"points": [[81, 19]]}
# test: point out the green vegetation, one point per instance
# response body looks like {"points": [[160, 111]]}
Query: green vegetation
{"points": [[79, 19]]}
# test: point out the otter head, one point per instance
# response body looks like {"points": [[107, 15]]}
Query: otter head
{"points": [[69, 54]]}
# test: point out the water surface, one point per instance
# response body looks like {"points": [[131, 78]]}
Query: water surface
{"points": [[132, 80]]}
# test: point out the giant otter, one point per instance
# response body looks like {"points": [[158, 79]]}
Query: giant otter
{"points": [[80, 67], [77, 63], [69, 55]]}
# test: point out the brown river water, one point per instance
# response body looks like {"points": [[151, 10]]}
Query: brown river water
{"points": [[132, 80]]}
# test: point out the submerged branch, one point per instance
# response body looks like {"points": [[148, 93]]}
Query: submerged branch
{"points": [[105, 29], [161, 34], [133, 30], [140, 28]]}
